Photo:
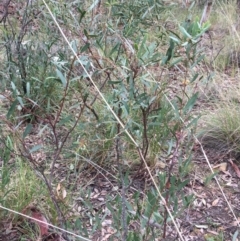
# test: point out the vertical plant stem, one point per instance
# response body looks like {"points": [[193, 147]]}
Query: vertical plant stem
{"points": [[145, 137], [123, 191], [20, 52], [59, 149]]}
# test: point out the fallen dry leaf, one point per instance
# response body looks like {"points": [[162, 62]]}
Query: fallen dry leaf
{"points": [[160, 164], [221, 167], [215, 202], [236, 222], [204, 202], [200, 226], [106, 222], [43, 227], [61, 191], [235, 167], [42, 223]]}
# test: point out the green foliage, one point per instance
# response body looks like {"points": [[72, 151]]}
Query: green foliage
{"points": [[6, 168], [20, 186], [149, 213], [214, 237], [52, 99]]}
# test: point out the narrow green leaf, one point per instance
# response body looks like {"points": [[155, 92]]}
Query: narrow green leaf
{"points": [[193, 122], [145, 14], [74, 45], [176, 110], [12, 108], [35, 148], [200, 58], [175, 39], [209, 178], [28, 89], [181, 185], [191, 102], [178, 38], [184, 32], [13, 86], [135, 46], [92, 35], [27, 130], [142, 47], [20, 101], [93, 5], [164, 60], [176, 61], [114, 82], [85, 47], [235, 236], [61, 77], [65, 120], [85, 32], [5, 177], [125, 109], [194, 77], [114, 49], [82, 14], [170, 51]]}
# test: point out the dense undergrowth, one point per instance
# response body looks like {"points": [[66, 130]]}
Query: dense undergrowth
{"points": [[119, 103]]}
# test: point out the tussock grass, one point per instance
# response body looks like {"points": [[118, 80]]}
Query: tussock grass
{"points": [[224, 37], [25, 188], [222, 127]]}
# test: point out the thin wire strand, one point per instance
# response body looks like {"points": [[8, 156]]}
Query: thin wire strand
{"points": [[48, 224], [118, 120]]}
